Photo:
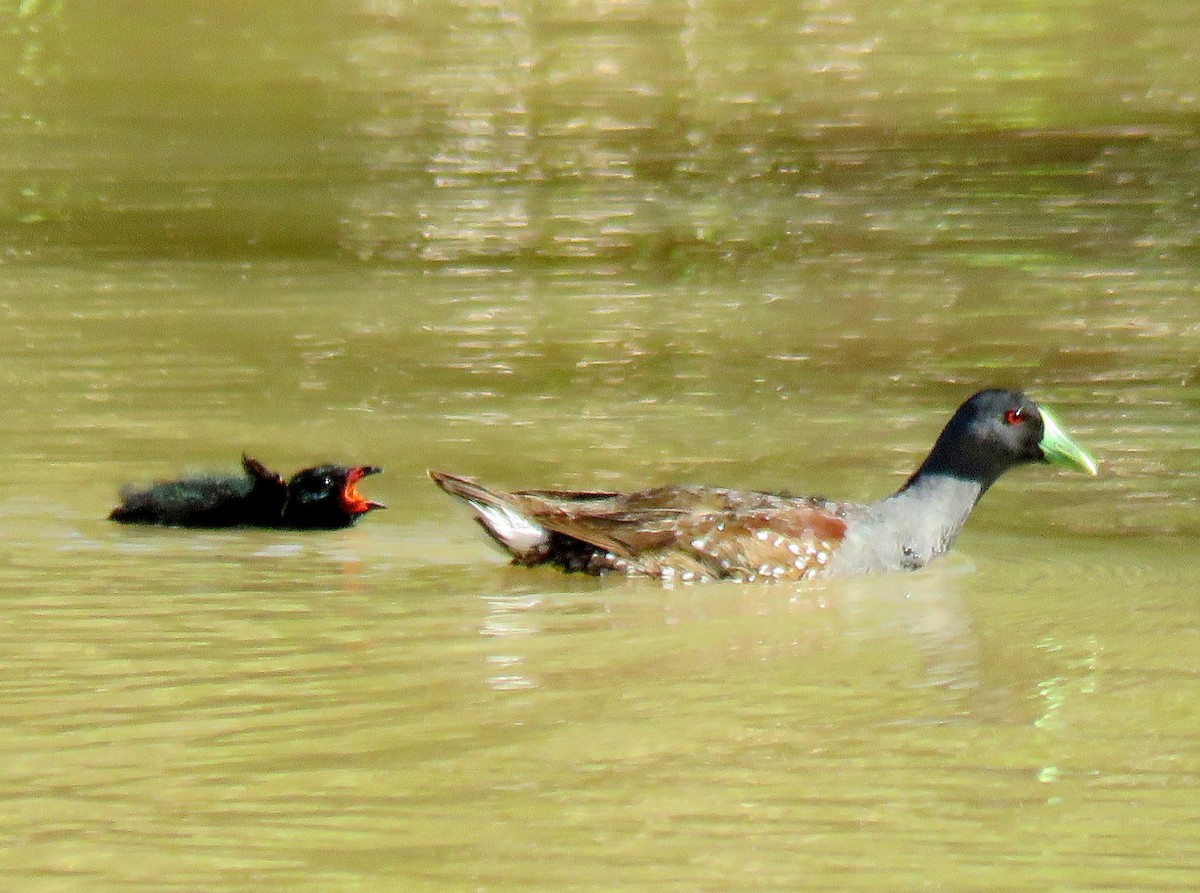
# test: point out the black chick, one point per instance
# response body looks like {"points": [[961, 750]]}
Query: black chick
{"points": [[321, 498]]}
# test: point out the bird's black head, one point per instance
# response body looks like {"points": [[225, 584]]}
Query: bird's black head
{"points": [[327, 497], [996, 430]]}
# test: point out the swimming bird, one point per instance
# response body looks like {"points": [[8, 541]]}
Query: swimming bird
{"points": [[322, 498], [699, 534]]}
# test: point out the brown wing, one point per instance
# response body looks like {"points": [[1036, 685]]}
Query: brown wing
{"points": [[608, 521], [624, 523]]}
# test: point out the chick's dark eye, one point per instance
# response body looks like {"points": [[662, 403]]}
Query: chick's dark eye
{"points": [[1014, 417]]}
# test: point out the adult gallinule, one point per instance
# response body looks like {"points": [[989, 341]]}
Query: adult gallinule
{"points": [[705, 533], [321, 498]]}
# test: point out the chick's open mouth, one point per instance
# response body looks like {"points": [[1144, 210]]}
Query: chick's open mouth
{"points": [[355, 502]]}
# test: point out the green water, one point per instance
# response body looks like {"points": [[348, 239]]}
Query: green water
{"points": [[764, 245]]}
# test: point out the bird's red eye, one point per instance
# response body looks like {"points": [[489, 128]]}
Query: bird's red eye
{"points": [[1014, 417]]}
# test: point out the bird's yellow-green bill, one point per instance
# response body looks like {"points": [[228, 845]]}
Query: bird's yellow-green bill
{"points": [[1059, 449]]}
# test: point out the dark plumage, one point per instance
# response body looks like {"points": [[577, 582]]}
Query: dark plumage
{"points": [[707, 533], [321, 498]]}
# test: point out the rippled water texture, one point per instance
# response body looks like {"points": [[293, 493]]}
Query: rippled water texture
{"points": [[765, 245]]}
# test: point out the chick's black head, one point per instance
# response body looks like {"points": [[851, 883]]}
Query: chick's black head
{"points": [[327, 497]]}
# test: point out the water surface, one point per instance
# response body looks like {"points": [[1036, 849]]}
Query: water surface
{"points": [[609, 245]]}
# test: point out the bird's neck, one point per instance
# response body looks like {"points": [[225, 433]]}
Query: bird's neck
{"points": [[932, 506], [913, 526]]}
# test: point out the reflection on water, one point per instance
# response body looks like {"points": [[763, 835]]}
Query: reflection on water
{"points": [[761, 245], [923, 614]]}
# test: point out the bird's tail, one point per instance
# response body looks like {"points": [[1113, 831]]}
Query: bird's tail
{"points": [[500, 514]]}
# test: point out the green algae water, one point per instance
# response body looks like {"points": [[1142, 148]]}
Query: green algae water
{"points": [[758, 245]]}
